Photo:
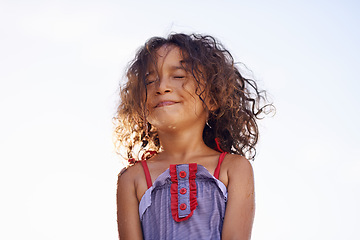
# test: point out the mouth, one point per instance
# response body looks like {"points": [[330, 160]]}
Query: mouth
{"points": [[164, 104]]}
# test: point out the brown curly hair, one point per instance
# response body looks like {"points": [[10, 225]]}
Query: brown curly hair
{"points": [[238, 100]]}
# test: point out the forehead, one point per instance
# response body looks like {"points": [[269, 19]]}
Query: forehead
{"points": [[167, 56]]}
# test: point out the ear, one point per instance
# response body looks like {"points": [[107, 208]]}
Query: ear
{"points": [[212, 105]]}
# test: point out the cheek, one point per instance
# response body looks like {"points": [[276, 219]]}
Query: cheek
{"points": [[148, 112], [198, 96], [148, 97], [189, 90]]}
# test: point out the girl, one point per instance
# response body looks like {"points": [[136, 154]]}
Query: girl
{"points": [[190, 117]]}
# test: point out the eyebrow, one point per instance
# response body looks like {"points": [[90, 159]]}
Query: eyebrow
{"points": [[173, 67], [176, 67], [149, 73], [180, 66]]}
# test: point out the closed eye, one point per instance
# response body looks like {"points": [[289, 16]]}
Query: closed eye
{"points": [[179, 77], [150, 80]]}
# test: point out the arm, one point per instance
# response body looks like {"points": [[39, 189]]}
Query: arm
{"points": [[240, 209], [128, 219]]}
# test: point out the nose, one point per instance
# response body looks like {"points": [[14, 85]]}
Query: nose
{"points": [[163, 86]]}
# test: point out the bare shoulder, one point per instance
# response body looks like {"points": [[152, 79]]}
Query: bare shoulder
{"points": [[237, 163], [235, 167], [133, 179], [128, 174], [127, 204], [240, 209]]}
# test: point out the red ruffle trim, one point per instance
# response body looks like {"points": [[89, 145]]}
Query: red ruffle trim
{"points": [[174, 192]]}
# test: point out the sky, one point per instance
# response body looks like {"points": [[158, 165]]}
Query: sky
{"points": [[61, 66]]}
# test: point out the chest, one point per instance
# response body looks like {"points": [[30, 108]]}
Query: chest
{"points": [[194, 204]]}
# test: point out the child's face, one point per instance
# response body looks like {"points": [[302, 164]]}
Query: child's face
{"points": [[172, 102]]}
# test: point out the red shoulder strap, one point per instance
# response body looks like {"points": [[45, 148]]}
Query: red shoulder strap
{"points": [[217, 169], [147, 173], [218, 148]]}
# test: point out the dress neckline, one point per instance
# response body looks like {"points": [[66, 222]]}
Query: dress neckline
{"points": [[145, 200], [216, 172], [168, 172]]}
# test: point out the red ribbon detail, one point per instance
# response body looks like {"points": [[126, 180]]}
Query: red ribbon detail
{"points": [[174, 192]]}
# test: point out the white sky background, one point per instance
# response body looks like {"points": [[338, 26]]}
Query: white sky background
{"points": [[61, 63]]}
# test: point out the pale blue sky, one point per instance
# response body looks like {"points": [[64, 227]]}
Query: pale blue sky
{"points": [[61, 64]]}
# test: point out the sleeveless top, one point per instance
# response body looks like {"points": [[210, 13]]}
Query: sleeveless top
{"points": [[185, 202]]}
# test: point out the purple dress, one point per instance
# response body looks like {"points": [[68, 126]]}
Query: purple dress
{"points": [[184, 202]]}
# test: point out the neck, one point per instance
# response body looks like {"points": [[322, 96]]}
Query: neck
{"points": [[182, 145]]}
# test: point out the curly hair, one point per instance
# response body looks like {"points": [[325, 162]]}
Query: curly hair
{"points": [[238, 100]]}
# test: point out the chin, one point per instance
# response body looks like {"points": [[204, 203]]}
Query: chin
{"points": [[164, 125]]}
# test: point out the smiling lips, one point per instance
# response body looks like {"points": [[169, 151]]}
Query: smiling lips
{"points": [[165, 103]]}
